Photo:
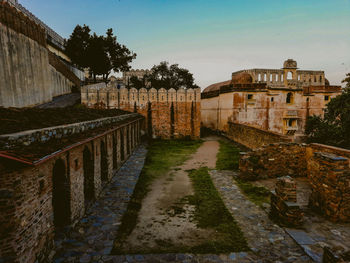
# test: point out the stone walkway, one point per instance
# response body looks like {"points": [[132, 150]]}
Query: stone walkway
{"points": [[267, 240], [93, 237], [61, 101]]}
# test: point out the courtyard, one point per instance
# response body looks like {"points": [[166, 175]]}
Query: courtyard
{"points": [[155, 210]]}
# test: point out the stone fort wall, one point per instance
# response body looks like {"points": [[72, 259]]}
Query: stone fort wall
{"points": [[28, 76], [327, 169], [74, 174], [169, 113]]}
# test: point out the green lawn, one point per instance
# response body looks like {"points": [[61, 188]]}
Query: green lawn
{"points": [[228, 156], [161, 156], [228, 159], [211, 212]]}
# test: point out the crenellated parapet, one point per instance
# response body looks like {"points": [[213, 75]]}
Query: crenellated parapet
{"points": [[113, 97]]}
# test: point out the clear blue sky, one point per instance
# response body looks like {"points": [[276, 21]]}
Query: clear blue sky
{"points": [[213, 38]]}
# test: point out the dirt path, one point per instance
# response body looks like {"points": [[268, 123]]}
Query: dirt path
{"points": [[165, 219]]}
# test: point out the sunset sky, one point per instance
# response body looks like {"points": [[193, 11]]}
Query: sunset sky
{"points": [[213, 38]]}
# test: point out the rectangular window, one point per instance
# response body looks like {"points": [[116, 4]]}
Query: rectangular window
{"points": [[250, 96], [326, 98]]}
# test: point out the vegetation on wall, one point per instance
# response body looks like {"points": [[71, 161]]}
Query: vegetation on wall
{"points": [[334, 128], [101, 54]]}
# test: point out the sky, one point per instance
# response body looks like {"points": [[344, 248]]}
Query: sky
{"points": [[213, 38]]}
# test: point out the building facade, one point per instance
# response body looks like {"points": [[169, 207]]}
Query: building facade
{"points": [[273, 100]]}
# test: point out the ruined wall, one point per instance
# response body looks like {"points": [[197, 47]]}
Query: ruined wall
{"points": [[27, 75], [253, 137], [27, 191], [169, 113], [327, 169], [274, 160]]}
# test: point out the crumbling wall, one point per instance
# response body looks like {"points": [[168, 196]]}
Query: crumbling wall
{"points": [[274, 160]]}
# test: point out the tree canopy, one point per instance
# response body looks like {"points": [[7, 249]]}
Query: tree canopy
{"points": [[165, 76], [334, 128], [101, 54]]}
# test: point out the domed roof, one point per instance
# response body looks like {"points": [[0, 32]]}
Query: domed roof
{"points": [[216, 86], [290, 63], [242, 78]]}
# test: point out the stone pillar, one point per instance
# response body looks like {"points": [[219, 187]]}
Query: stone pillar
{"points": [[284, 208]]}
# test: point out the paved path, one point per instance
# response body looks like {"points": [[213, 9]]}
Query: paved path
{"points": [[269, 241], [94, 235], [61, 101]]}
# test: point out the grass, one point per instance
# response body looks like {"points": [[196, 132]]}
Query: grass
{"points": [[161, 156], [227, 157], [256, 194], [211, 212]]}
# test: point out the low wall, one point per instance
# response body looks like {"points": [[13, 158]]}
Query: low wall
{"points": [[326, 167], [42, 135], [274, 160], [253, 137], [73, 178]]}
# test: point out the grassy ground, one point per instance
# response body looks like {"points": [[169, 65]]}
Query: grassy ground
{"points": [[228, 156], [228, 159], [211, 212], [161, 156]]}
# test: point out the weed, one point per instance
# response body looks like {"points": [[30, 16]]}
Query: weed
{"points": [[228, 156]]}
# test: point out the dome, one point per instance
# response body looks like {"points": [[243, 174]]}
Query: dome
{"points": [[242, 78], [290, 63], [216, 86]]}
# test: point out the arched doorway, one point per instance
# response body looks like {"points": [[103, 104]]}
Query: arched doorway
{"points": [[88, 165], [115, 157], [104, 163], [60, 195], [122, 147], [128, 140]]}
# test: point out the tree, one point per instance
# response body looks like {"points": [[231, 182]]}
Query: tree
{"points": [[77, 45], [101, 54], [137, 83], [347, 81], [165, 76], [334, 128]]}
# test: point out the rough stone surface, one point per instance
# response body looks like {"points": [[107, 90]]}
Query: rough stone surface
{"points": [[268, 241]]}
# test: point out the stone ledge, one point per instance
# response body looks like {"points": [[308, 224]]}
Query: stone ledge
{"points": [[28, 137], [330, 157]]}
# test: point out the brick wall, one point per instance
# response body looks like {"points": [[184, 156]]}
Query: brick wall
{"points": [[274, 160], [252, 137], [326, 167], [169, 113], [27, 215]]}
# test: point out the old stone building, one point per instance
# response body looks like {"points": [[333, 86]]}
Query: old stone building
{"points": [[169, 113], [50, 176], [256, 101]]}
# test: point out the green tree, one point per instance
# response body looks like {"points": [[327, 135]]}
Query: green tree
{"points": [[101, 54], [137, 83], [347, 81], [334, 128], [165, 76], [77, 45]]}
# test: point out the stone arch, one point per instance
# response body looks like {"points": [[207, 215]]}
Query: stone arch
{"points": [[115, 157], [289, 98], [265, 79], [289, 75], [60, 195], [259, 77], [89, 186], [122, 147], [103, 162], [128, 140]]}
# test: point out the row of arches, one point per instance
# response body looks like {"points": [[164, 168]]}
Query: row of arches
{"points": [[111, 150]]}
